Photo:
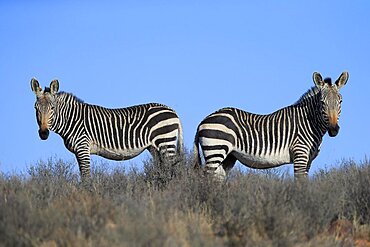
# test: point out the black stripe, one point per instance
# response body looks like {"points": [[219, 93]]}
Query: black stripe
{"points": [[114, 129], [120, 129], [224, 120], [163, 130], [86, 119], [270, 137], [155, 109], [164, 140], [216, 147], [242, 125], [214, 156], [217, 134], [109, 129], [281, 123], [171, 146], [160, 117], [126, 130]]}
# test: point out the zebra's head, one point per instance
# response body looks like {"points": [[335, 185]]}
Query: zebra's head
{"points": [[331, 100], [44, 106]]}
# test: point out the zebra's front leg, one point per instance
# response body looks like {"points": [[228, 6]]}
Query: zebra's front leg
{"points": [[301, 161], [83, 159]]}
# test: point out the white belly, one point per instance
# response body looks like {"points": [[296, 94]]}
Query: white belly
{"points": [[264, 161], [115, 154]]}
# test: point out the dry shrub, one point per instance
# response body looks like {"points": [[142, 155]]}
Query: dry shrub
{"points": [[178, 206]]}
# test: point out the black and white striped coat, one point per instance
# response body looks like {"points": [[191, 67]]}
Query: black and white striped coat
{"points": [[290, 135], [117, 134]]}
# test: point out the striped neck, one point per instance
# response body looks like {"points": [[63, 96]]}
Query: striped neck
{"points": [[312, 94], [311, 103], [66, 109], [68, 98]]}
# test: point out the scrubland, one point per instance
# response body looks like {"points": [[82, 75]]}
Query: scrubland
{"points": [[179, 206]]}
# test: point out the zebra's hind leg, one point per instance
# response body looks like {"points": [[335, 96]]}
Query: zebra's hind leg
{"points": [[220, 170], [161, 156], [216, 169], [156, 156], [229, 163], [160, 172]]}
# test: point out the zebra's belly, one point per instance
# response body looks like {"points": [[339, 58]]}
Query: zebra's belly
{"points": [[264, 161], [116, 154]]}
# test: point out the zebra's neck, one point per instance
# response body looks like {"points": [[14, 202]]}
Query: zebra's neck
{"points": [[67, 110], [312, 94], [310, 103]]}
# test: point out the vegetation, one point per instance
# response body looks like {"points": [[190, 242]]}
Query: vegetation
{"points": [[177, 206]]}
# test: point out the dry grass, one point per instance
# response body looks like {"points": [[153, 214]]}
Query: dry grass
{"points": [[177, 206]]}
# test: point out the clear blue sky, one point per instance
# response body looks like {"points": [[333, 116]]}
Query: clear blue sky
{"points": [[195, 56]]}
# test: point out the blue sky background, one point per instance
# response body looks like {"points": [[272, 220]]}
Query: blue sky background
{"points": [[195, 56]]}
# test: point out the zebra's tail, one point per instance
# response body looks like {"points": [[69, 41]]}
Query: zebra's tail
{"points": [[197, 160], [180, 140]]}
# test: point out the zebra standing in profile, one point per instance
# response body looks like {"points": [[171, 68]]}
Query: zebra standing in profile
{"points": [[290, 135], [117, 134]]}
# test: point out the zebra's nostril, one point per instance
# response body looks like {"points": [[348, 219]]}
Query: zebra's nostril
{"points": [[44, 134], [333, 131]]}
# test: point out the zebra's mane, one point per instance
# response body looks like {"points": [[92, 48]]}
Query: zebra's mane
{"points": [[311, 93], [70, 96]]}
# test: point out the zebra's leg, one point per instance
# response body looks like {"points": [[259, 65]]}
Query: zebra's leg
{"points": [[155, 154], [301, 161], [216, 169], [214, 157], [83, 159], [312, 158], [229, 163], [165, 153], [162, 172]]}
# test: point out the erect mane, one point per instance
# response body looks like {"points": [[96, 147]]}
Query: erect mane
{"points": [[328, 81], [308, 95], [70, 96]]}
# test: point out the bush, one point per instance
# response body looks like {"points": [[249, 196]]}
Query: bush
{"points": [[178, 206]]}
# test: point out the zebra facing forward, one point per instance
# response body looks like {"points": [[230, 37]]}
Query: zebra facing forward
{"points": [[117, 134], [290, 135]]}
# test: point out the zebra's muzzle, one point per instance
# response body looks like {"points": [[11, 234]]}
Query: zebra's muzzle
{"points": [[333, 130], [44, 134]]}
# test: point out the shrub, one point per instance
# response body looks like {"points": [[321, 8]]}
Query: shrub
{"points": [[178, 206]]}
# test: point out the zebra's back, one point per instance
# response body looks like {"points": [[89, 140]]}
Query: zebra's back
{"points": [[124, 133]]}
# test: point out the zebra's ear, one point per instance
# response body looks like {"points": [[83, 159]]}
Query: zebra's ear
{"points": [[317, 79], [54, 86], [35, 86], [342, 80]]}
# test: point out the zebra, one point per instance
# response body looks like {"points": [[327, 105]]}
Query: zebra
{"points": [[290, 135], [116, 134]]}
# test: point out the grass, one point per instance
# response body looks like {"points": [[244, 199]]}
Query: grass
{"points": [[177, 206]]}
